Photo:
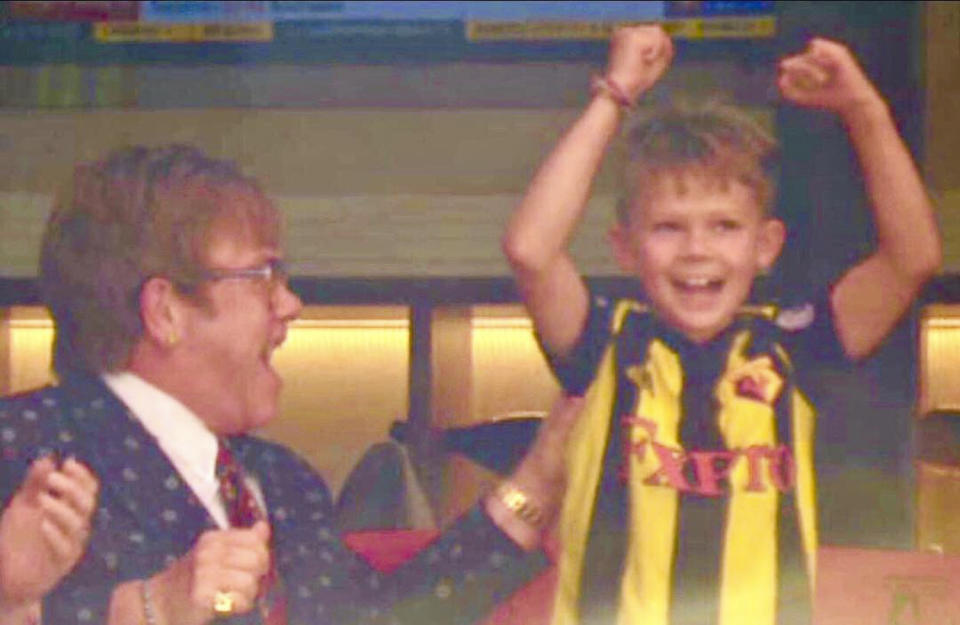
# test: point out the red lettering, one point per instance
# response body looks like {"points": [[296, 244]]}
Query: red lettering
{"points": [[646, 424], [754, 455], [709, 474], [783, 470], [670, 472], [631, 448], [637, 449], [711, 468]]}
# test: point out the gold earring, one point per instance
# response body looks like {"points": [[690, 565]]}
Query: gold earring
{"points": [[173, 338]]}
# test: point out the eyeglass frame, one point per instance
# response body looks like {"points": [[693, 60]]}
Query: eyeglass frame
{"points": [[273, 271]]}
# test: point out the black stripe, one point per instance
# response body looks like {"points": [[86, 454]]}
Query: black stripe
{"points": [[701, 520], [793, 591], [607, 540]]}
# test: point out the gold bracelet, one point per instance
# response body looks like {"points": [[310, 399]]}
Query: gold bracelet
{"points": [[519, 503]]}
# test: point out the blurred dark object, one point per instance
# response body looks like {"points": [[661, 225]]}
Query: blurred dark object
{"points": [[498, 444], [938, 437], [382, 493], [373, 494]]}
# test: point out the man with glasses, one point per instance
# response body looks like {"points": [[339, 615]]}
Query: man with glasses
{"points": [[162, 270]]}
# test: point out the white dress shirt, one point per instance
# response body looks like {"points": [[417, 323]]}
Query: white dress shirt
{"points": [[186, 441]]}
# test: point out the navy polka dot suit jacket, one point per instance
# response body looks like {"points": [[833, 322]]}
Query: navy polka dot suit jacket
{"points": [[147, 517]]}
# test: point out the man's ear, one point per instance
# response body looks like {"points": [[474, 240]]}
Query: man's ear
{"points": [[160, 312], [619, 239], [773, 234]]}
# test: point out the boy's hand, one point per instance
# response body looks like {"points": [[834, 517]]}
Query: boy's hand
{"points": [[639, 55], [44, 529], [826, 75]]}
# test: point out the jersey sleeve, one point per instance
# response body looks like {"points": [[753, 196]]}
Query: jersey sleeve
{"points": [[809, 333], [576, 370]]}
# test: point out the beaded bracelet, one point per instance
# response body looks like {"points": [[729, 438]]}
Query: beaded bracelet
{"points": [[601, 85], [146, 597], [519, 503]]}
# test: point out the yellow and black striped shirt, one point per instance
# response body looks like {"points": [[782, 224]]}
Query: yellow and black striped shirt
{"points": [[698, 461]]}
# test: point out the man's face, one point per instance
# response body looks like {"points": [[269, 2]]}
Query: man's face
{"points": [[697, 252], [228, 340]]}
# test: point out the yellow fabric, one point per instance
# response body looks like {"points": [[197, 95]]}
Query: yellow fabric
{"points": [[656, 505], [749, 566], [584, 465]]}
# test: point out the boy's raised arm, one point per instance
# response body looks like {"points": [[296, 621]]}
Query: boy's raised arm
{"points": [[538, 233], [872, 296]]}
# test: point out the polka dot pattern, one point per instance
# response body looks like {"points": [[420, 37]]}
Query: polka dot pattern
{"points": [[147, 518]]}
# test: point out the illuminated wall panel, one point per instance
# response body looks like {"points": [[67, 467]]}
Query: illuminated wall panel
{"points": [[509, 371], [938, 486], [345, 373], [939, 358], [30, 340]]}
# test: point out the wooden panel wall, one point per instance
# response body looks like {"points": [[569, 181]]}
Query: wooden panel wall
{"points": [[942, 136]]}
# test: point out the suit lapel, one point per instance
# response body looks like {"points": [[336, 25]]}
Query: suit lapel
{"points": [[136, 476]]}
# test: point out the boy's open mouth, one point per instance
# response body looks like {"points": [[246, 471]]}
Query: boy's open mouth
{"points": [[697, 285]]}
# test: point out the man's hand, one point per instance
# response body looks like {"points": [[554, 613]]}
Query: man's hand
{"points": [[826, 75], [541, 475], [44, 530], [230, 560], [639, 55]]}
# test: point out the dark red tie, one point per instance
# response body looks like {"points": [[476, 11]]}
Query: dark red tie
{"points": [[243, 511]]}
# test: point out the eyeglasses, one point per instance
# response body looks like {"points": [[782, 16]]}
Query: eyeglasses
{"points": [[273, 272]]}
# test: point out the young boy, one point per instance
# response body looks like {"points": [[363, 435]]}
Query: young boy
{"points": [[691, 489]]}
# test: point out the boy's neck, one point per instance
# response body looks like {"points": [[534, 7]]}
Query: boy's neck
{"points": [[682, 342]]}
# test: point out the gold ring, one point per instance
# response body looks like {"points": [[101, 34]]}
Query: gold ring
{"points": [[223, 603]]}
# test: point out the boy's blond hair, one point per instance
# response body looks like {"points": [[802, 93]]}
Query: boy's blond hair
{"points": [[715, 141]]}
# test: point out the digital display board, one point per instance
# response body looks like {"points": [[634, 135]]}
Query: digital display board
{"points": [[311, 31]]}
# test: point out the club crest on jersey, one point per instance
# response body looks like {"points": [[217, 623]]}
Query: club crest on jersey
{"points": [[758, 380]]}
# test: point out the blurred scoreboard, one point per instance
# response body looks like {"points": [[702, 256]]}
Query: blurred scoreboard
{"points": [[324, 32]]}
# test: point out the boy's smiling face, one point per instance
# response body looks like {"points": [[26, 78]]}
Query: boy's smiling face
{"points": [[697, 245]]}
